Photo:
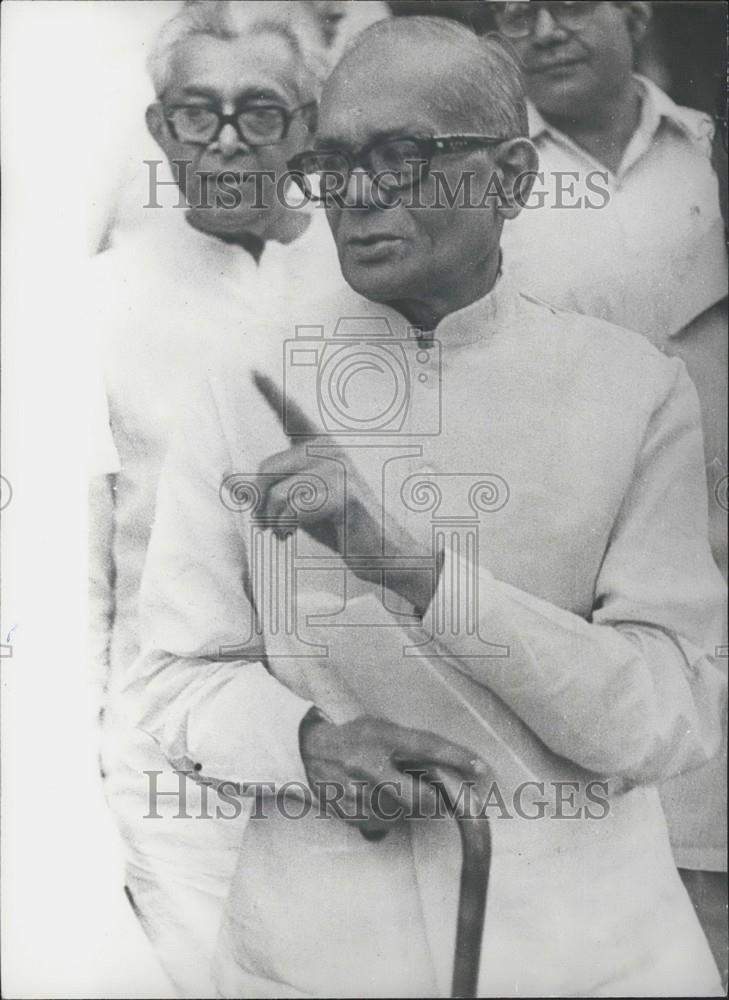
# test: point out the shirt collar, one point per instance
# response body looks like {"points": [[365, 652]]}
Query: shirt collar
{"points": [[656, 108]]}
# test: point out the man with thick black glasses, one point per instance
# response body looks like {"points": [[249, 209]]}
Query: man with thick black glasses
{"points": [[236, 87], [438, 528]]}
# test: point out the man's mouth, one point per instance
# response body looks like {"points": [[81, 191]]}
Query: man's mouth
{"points": [[371, 238], [373, 245], [555, 66]]}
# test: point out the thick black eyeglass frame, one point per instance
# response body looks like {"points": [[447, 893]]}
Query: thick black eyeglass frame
{"points": [[232, 119], [427, 147]]}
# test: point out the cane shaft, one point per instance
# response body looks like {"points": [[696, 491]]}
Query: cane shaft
{"points": [[475, 834], [476, 862]]}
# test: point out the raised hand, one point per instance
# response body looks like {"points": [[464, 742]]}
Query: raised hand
{"points": [[349, 501]]}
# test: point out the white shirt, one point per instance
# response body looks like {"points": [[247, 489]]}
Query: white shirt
{"points": [[593, 569], [643, 247]]}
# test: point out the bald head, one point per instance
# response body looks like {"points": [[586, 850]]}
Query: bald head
{"points": [[467, 82]]}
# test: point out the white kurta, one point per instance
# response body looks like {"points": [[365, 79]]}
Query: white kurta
{"points": [[589, 562], [165, 302]]}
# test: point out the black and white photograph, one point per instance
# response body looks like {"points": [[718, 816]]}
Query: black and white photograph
{"points": [[364, 499]]}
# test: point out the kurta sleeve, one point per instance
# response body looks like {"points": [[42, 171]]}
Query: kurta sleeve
{"points": [[632, 690], [229, 719]]}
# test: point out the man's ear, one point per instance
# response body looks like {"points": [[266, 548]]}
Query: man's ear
{"points": [[517, 162], [156, 124], [638, 18]]}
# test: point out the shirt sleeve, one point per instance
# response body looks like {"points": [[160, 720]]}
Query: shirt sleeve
{"points": [[632, 690], [227, 719]]}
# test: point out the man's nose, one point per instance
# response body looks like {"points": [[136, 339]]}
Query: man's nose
{"points": [[229, 142], [547, 29], [359, 190]]}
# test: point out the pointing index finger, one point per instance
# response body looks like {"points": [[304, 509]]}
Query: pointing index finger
{"points": [[293, 419]]}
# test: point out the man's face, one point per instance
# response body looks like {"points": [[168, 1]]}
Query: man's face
{"points": [[571, 72], [403, 252], [227, 75]]}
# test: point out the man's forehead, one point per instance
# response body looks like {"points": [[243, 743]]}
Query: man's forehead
{"points": [[390, 95], [262, 61]]}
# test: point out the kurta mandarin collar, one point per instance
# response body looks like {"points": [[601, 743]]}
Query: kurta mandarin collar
{"points": [[477, 322]]}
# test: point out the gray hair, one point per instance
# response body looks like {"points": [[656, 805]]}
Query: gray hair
{"points": [[485, 88], [230, 19]]}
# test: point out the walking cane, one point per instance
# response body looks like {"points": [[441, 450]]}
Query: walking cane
{"points": [[475, 836]]}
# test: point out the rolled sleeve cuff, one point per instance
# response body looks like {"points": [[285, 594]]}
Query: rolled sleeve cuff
{"points": [[249, 741]]}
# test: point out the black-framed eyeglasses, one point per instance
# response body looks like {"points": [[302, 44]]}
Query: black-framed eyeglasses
{"points": [[398, 163], [256, 124], [517, 19]]}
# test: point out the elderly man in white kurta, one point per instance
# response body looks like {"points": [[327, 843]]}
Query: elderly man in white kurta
{"points": [[165, 300], [440, 524]]}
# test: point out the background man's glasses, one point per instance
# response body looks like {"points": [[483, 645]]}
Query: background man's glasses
{"points": [[396, 164], [257, 125], [517, 20]]}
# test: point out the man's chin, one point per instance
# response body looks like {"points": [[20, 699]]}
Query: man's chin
{"points": [[373, 282], [563, 99], [377, 280], [228, 222]]}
